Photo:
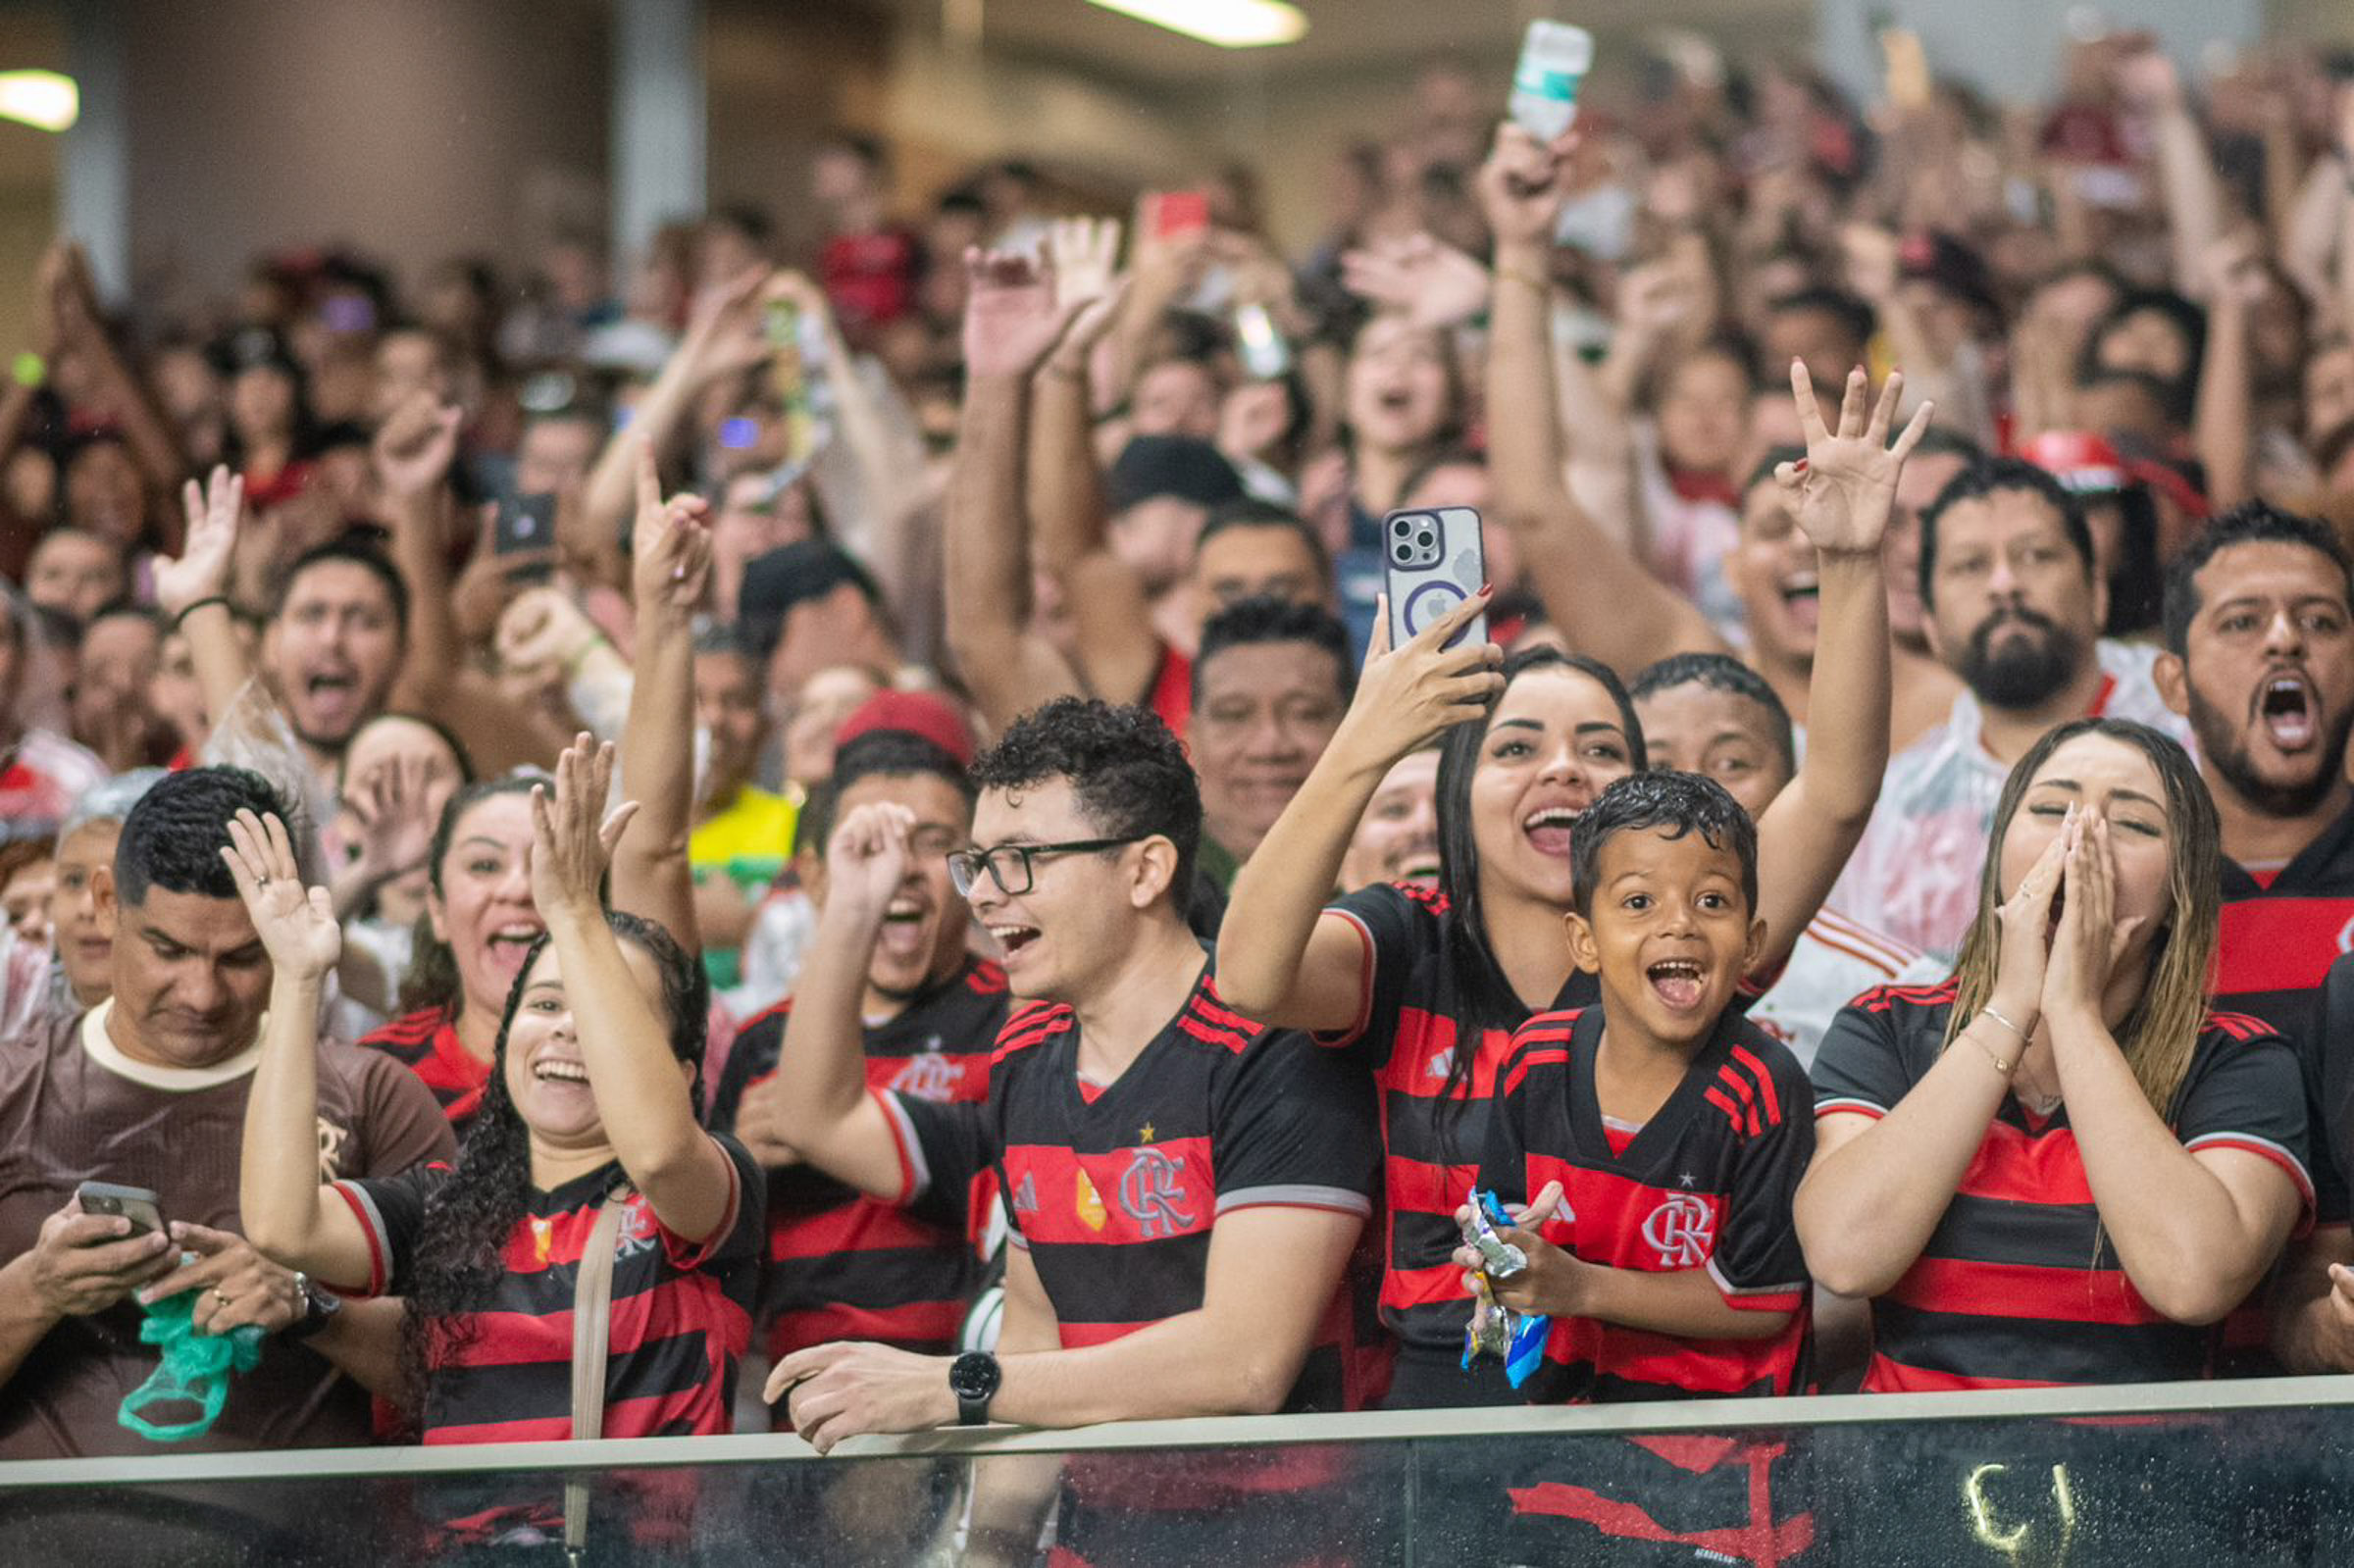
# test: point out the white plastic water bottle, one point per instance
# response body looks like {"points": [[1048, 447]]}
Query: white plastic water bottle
{"points": [[1553, 59]]}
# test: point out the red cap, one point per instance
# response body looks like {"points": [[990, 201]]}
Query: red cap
{"points": [[924, 714], [2081, 461]]}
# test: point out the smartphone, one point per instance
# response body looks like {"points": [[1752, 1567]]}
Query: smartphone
{"points": [[525, 523], [133, 1203], [1431, 562], [1177, 214], [1260, 345]]}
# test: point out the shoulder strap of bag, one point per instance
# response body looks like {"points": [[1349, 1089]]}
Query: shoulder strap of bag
{"points": [[592, 1338]]}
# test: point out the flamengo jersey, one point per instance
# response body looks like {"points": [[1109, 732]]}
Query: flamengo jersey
{"points": [[842, 1266], [1114, 1193], [427, 1043], [1431, 1140], [2280, 937], [1705, 1183], [681, 1309], [2017, 1286]]}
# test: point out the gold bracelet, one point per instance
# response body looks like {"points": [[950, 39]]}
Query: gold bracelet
{"points": [[2006, 1068], [1513, 274]]}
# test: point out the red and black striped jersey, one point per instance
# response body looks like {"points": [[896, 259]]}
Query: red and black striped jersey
{"points": [[426, 1042], [1434, 1117], [681, 1309], [1114, 1191], [2329, 1085], [842, 1266], [2019, 1284], [1706, 1182]]}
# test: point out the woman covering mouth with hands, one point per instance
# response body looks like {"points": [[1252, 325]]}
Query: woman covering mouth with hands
{"points": [[593, 1099]]}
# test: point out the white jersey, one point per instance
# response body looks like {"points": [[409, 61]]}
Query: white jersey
{"points": [[1834, 961]]}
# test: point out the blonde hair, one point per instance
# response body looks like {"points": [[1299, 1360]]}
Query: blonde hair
{"points": [[2162, 1033]]}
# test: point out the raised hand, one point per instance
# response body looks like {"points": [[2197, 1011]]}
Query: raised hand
{"points": [[867, 857], [296, 925], [1085, 254], [1093, 321], [416, 445], [1433, 285], [393, 807], [725, 334], [2148, 82], [542, 628], [670, 544], [1842, 492], [570, 847], [1409, 694], [1012, 317], [1522, 185], [202, 569]]}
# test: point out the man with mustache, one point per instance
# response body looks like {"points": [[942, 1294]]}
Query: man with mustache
{"points": [[2014, 609], [2260, 657]]}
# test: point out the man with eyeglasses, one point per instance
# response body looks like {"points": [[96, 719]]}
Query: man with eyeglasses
{"points": [[1184, 1187], [890, 992]]}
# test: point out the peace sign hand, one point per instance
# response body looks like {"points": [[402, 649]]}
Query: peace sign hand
{"points": [[1842, 494]]}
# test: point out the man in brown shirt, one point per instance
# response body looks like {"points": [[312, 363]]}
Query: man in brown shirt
{"points": [[148, 1090]]}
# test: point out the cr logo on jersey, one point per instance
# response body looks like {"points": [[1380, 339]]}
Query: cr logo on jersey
{"points": [[928, 1077], [1683, 1231], [1152, 1193]]}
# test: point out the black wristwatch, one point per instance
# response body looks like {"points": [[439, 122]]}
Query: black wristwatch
{"points": [[973, 1378], [319, 1309]]}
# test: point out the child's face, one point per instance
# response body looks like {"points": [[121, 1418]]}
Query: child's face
{"points": [[1670, 932]]}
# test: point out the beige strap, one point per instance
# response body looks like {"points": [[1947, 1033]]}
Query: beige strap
{"points": [[591, 1338]]}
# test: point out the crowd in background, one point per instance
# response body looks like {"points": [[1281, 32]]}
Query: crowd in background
{"points": [[352, 576]]}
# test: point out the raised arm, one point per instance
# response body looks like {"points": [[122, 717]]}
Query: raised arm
{"points": [[818, 1104], [115, 390], [2187, 185], [412, 453], [1282, 959], [1602, 597], [193, 591], [2222, 430], [639, 1084], [2195, 1229], [670, 568], [1878, 1184], [1010, 322], [1841, 501], [287, 1215]]}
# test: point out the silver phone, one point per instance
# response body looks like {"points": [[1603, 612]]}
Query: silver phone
{"points": [[1432, 561], [133, 1203]]}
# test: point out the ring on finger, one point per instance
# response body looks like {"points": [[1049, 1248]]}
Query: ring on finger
{"points": [[220, 1295]]}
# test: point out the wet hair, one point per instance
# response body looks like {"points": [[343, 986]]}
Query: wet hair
{"points": [[357, 551], [433, 979], [1721, 672], [1674, 805], [468, 1218], [110, 801], [1263, 620], [894, 754], [173, 837], [2249, 523], [1257, 514], [1128, 774], [1468, 956], [1986, 478]]}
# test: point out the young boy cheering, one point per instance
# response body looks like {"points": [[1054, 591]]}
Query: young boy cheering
{"points": [[1661, 1134]]}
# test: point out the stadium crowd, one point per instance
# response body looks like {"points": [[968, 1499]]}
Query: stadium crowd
{"points": [[884, 792]]}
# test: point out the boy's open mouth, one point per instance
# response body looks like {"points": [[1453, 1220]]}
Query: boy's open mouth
{"points": [[1676, 982]]}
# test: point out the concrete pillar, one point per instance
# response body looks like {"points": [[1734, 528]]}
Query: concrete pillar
{"points": [[659, 118], [94, 160]]}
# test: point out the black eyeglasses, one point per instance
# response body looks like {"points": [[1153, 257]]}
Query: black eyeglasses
{"points": [[1009, 865]]}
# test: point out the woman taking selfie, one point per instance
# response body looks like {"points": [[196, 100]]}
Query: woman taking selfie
{"points": [[593, 1100], [2059, 1167]]}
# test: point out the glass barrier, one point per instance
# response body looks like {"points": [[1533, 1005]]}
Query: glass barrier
{"points": [[2197, 1473]]}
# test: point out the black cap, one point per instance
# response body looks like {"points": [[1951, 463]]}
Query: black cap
{"points": [[1179, 466], [776, 582]]}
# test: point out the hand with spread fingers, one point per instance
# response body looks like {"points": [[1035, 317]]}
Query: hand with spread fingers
{"points": [[201, 571], [1842, 493], [570, 846], [296, 925], [1012, 315], [392, 804]]}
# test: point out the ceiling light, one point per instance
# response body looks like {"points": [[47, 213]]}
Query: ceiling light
{"points": [[1228, 24], [41, 99]]}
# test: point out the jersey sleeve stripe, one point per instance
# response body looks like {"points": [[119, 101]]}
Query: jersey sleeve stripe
{"points": [[1364, 987], [2265, 1147], [1784, 1298], [1724, 1102], [1296, 1196], [915, 1177], [1848, 1104], [1528, 1061], [372, 1225], [1771, 1103]]}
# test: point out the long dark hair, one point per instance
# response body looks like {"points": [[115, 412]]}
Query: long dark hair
{"points": [[1488, 1000], [433, 979], [460, 1259]]}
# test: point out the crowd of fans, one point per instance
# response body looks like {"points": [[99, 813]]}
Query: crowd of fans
{"points": [[886, 794]]}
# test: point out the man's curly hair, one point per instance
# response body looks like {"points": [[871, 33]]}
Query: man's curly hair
{"points": [[1128, 773]]}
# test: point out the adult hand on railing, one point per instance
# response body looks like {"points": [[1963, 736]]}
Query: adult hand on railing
{"points": [[846, 1389]]}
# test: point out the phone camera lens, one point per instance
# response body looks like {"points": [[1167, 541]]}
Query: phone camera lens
{"points": [[1403, 527], [1427, 538]]}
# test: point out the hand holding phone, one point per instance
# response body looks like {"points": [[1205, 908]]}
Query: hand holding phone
{"points": [[83, 1262], [524, 524], [133, 1203], [1431, 562]]}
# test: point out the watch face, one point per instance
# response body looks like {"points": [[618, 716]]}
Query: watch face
{"points": [[974, 1376]]}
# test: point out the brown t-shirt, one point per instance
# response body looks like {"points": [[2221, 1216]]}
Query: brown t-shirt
{"points": [[72, 1108]]}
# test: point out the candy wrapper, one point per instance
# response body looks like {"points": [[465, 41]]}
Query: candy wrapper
{"points": [[1496, 1328]]}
